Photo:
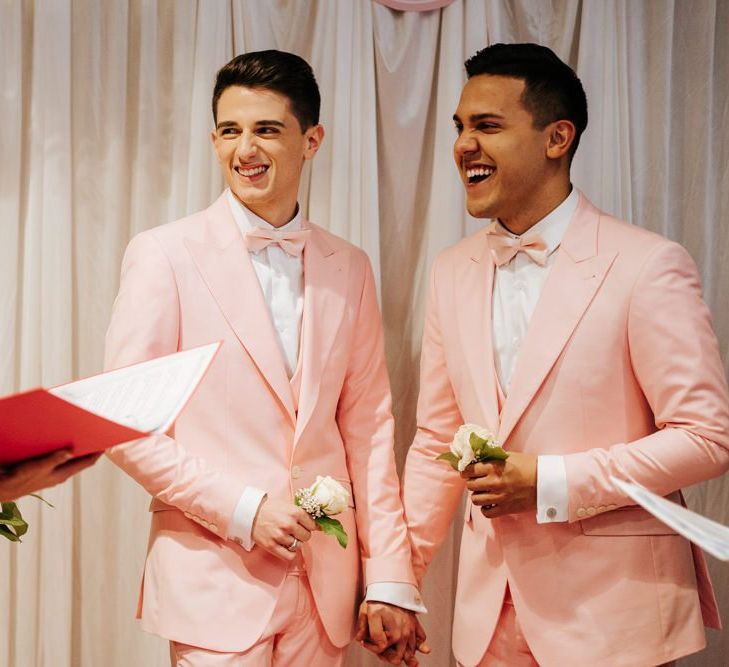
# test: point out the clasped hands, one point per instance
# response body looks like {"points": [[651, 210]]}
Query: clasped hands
{"points": [[503, 487], [391, 632]]}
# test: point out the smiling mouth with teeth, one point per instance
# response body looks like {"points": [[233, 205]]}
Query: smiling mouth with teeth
{"points": [[478, 174], [254, 171]]}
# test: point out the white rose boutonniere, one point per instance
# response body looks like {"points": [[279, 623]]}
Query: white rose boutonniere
{"points": [[472, 444], [323, 499]]}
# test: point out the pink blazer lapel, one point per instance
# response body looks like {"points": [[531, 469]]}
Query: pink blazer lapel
{"points": [[325, 299], [476, 280], [575, 278], [224, 264]]}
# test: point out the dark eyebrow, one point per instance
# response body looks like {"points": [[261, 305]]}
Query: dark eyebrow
{"points": [[277, 123], [475, 118], [229, 123]]}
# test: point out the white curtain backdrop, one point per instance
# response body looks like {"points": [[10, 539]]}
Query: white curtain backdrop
{"points": [[104, 123]]}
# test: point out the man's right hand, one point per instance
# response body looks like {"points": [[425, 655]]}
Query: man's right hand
{"points": [[277, 524]]}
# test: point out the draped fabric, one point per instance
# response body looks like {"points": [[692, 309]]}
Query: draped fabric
{"points": [[105, 122]]}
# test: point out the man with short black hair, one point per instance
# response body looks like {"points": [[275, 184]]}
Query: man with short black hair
{"points": [[236, 573], [583, 344]]}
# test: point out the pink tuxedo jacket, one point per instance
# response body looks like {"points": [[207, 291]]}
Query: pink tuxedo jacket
{"points": [[192, 282], [620, 373]]}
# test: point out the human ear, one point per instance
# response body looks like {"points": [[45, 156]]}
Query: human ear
{"points": [[313, 138], [560, 138]]}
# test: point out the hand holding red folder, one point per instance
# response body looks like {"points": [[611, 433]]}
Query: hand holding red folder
{"points": [[36, 474]]}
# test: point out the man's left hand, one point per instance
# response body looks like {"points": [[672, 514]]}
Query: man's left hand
{"points": [[504, 487]]}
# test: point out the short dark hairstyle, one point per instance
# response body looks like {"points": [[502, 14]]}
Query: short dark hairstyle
{"points": [[552, 90], [279, 71]]}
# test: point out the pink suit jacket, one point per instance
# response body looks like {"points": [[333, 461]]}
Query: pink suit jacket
{"points": [[619, 373], [192, 282]]}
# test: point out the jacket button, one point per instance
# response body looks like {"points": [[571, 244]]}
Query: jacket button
{"points": [[295, 472], [212, 527], [581, 512], [591, 511]]}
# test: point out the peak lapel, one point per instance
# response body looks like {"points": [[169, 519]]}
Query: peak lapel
{"points": [[325, 299], [476, 280], [577, 274], [225, 265]]}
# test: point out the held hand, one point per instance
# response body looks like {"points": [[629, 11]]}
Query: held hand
{"points": [[37, 474], [391, 632], [280, 526], [415, 643], [504, 487]]}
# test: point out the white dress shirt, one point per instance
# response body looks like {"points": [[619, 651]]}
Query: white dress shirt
{"points": [[281, 277], [517, 287]]}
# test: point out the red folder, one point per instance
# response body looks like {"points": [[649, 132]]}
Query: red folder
{"points": [[36, 422]]}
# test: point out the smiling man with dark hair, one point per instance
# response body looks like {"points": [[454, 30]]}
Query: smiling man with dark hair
{"points": [[236, 573], [583, 345]]}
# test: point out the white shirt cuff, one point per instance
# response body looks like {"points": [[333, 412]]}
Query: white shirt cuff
{"points": [[396, 593], [241, 525], [552, 496]]}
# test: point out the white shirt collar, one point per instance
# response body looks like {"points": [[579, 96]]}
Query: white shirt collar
{"points": [[553, 226], [247, 219]]}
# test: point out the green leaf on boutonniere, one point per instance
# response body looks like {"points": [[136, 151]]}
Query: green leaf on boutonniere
{"points": [[449, 457], [12, 524], [333, 527], [485, 451]]}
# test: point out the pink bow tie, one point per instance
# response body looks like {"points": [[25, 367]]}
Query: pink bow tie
{"points": [[291, 242], [505, 247]]}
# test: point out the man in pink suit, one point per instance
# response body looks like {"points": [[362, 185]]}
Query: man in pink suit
{"points": [[236, 574], [583, 344]]}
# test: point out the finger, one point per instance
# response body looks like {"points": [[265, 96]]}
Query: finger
{"points": [[300, 533], [493, 511], [388, 655], [420, 638], [394, 628], [482, 499], [303, 519], [377, 631], [361, 632], [65, 470], [483, 484], [41, 466], [373, 648], [285, 539], [400, 650], [478, 470], [282, 553], [59, 457], [409, 655]]}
